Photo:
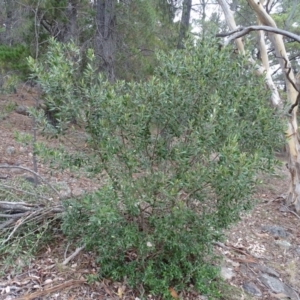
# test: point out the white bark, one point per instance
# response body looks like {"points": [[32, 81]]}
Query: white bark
{"points": [[238, 32], [231, 23], [292, 132], [260, 70], [275, 36]]}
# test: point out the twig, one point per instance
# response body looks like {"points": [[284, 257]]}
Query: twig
{"points": [[36, 174], [219, 244], [292, 212], [6, 223], [19, 223], [12, 216], [13, 206], [241, 31], [51, 290], [67, 260], [33, 216], [292, 83], [22, 191], [65, 254]]}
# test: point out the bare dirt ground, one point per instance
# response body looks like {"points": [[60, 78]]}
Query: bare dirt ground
{"points": [[261, 255]]}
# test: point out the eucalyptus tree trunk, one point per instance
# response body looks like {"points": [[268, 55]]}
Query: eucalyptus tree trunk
{"points": [[261, 70], [105, 38], [292, 94], [292, 86], [185, 22]]}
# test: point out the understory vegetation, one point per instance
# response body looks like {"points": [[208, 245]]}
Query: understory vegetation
{"points": [[13, 66], [178, 155], [179, 152]]}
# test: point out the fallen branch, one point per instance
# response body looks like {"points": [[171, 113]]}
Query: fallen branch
{"points": [[6, 223], [19, 213], [75, 253], [242, 31], [9, 187], [51, 290], [18, 224], [34, 173], [17, 206]]}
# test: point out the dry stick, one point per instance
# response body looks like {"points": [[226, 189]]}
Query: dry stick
{"points": [[292, 212], [36, 174], [67, 260], [65, 254], [22, 191], [13, 216], [6, 223], [34, 158], [20, 222], [241, 31], [23, 206], [292, 83], [36, 215], [51, 290]]}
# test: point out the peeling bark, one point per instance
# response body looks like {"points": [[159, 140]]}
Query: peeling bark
{"points": [[292, 132], [275, 36], [261, 70], [231, 24]]}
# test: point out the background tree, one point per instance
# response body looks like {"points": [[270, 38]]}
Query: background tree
{"points": [[105, 36], [185, 22], [292, 96]]}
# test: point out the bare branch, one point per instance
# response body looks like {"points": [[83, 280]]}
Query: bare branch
{"points": [[34, 173], [76, 252], [292, 83], [242, 31]]}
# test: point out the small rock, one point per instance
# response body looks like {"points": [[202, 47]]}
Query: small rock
{"points": [[283, 244], [267, 270], [272, 283], [227, 273], [252, 289], [63, 190], [291, 293], [277, 231], [22, 149], [10, 150], [76, 192], [233, 263], [22, 110]]}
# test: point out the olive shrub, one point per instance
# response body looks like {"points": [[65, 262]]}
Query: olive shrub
{"points": [[180, 151]]}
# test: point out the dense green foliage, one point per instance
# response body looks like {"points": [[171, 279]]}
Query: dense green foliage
{"points": [[13, 66], [14, 58], [180, 153]]}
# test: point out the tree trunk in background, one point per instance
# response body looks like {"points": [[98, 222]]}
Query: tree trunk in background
{"points": [[185, 22], [260, 70], [105, 40], [7, 35], [62, 24], [292, 132], [71, 25]]}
